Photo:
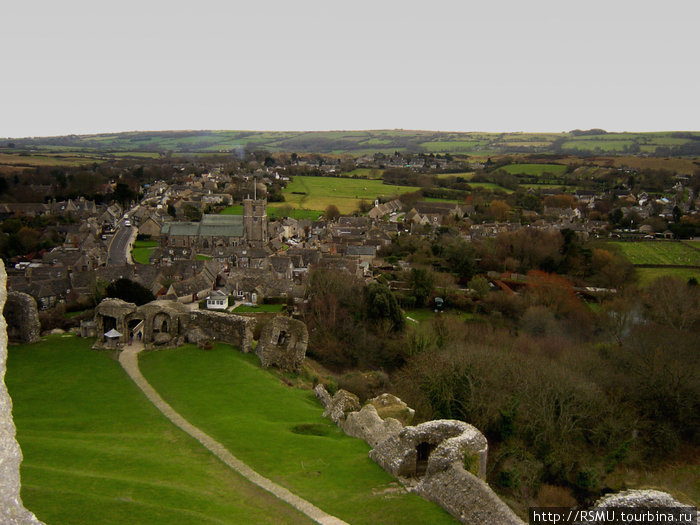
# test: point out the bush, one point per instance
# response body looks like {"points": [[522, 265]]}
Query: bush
{"points": [[331, 386], [274, 300], [129, 291]]}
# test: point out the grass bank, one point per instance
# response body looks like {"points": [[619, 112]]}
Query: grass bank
{"points": [[279, 431], [96, 451]]}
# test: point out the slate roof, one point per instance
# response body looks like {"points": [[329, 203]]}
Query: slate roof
{"points": [[361, 250], [435, 208], [209, 226]]}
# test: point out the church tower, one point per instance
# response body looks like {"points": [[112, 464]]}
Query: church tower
{"points": [[255, 222]]}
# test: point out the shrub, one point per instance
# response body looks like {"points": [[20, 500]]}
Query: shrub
{"points": [[331, 386]]}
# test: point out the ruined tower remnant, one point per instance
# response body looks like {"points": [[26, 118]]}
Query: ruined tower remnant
{"points": [[22, 317], [283, 343]]}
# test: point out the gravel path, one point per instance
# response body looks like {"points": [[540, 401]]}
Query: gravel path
{"points": [[129, 361]]}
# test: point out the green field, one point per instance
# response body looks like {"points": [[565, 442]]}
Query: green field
{"points": [[316, 193], [453, 146], [602, 145], [535, 169], [659, 252], [97, 452], [648, 275], [489, 186], [369, 173], [47, 160], [545, 186], [278, 430], [276, 210], [465, 175], [142, 250]]}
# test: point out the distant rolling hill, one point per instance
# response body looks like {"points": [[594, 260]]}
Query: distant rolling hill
{"points": [[157, 143]]}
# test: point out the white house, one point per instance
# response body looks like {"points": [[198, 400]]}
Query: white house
{"points": [[217, 300]]}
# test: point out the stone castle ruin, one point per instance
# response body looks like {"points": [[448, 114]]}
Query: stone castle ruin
{"points": [[167, 323], [164, 323], [443, 460]]}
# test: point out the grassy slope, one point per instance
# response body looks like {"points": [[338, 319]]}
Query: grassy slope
{"points": [[95, 450], [252, 413]]}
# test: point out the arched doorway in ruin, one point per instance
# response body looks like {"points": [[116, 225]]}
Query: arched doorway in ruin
{"points": [[423, 451]]}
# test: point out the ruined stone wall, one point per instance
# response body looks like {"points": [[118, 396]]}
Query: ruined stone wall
{"points": [[235, 330], [22, 317], [12, 512], [456, 466], [283, 343], [466, 497]]}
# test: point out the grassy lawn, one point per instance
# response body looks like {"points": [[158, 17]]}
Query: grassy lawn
{"points": [[316, 193], [203, 257], [279, 431], [96, 451], [426, 314], [236, 209], [659, 252], [260, 308], [420, 314], [535, 169], [142, 250]]}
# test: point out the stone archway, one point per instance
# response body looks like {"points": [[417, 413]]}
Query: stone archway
{"points": [[135, 327], [423, 451], [161, 323]]}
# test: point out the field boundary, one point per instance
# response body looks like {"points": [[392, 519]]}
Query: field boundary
{"points": [[686, 266], [128, 358], [692, 247]]}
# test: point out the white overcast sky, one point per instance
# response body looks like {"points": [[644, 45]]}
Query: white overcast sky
{"points": [[88, 66]]}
